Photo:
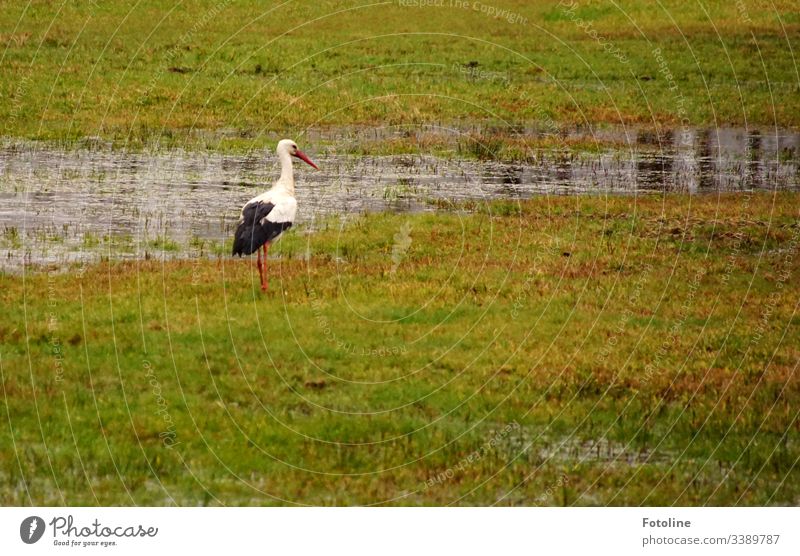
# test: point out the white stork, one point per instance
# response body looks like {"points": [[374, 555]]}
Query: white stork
{"points": [[266, 216]]}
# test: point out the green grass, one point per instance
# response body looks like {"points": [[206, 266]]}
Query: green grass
{"points": [[232, 75], [563, 351], [559, 351]]}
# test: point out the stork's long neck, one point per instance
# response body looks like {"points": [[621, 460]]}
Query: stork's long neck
{"points": [[287, 175]]}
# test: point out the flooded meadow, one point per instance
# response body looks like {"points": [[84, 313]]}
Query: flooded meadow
{"points": [[94, 202]]}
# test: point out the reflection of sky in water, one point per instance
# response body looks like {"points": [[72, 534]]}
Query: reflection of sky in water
{"points": [[58, 206]]}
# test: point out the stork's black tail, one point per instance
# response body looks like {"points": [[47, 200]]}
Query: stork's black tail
{"points": [[254, 231], [248, 239]]}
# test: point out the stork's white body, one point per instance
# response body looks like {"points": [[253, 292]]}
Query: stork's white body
{"points": [[285, 209]]}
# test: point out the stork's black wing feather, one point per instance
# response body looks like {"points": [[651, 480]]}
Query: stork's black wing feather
{"points": [[252, 233]]}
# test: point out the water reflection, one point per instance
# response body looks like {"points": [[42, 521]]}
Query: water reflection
{"points": [[71, 205]]}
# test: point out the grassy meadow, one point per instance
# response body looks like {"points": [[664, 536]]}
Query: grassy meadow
{"points": [[561, 351], [585, 350], [231, 75]]}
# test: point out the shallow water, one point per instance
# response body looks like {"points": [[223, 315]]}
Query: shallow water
{"points": [[61, 206]]}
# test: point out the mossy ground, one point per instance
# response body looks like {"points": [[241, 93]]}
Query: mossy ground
{"points": [[218, 74], [584, 350]]}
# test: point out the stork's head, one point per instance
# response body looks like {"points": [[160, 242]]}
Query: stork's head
{"points": [[290, 147]]}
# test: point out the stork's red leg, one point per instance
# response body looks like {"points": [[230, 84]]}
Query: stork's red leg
{"points": [[265, 278], [260, 269]]}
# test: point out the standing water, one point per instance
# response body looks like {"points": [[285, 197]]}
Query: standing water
{"points": [[62, 206]]}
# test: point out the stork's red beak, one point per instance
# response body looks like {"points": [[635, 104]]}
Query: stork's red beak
{"points": [[302, 156]]}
